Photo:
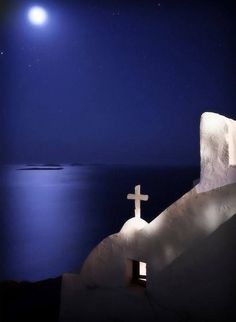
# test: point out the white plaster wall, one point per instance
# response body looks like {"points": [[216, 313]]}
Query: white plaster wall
{"points": [[184, 271], [108, 265], [217, 150]]}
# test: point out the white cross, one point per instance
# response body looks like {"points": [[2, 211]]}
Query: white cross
{"points": [[138, 198]]}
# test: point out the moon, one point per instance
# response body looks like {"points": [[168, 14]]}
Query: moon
{"points": [[37, 15]]}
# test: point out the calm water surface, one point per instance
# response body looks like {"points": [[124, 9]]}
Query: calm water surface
{"points": [[51, 219]]}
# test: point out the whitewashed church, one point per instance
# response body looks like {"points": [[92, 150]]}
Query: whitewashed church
{"points": [[176, 267]]}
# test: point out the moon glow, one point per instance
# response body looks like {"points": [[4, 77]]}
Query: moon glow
{"points": [[37, 15]]}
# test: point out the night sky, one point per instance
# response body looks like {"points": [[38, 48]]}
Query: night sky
{"points": [[113, 81]]}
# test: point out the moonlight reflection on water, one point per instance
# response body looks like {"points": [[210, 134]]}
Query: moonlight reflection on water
{"points": [[52, 219]]}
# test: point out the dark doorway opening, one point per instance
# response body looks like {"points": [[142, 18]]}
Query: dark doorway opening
{"points": [[139, 273]]}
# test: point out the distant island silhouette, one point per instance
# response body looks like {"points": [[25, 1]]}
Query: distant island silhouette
{"points": [[42, 168]]}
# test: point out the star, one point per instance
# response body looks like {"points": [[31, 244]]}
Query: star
{"points": [[116, 12], [2, 52]]}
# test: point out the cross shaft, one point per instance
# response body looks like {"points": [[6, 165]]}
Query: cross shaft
{"points": [[137, 197]]}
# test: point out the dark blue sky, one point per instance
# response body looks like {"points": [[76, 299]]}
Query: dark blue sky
{"points": [[114, 81]]}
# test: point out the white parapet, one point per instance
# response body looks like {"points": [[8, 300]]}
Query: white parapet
{"points": [[232, 143], [218, 151]]}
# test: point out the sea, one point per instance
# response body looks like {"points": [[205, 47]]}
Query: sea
{"points": [[52, 216]]}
